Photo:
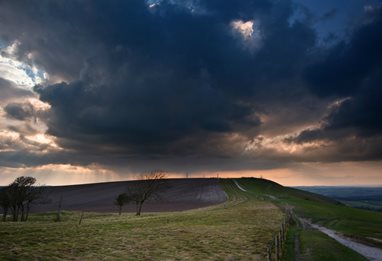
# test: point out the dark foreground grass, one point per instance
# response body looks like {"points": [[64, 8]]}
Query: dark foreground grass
{"points": [[241, 229]]}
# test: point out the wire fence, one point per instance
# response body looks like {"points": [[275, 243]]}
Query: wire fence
{"points": [[276, 245]]}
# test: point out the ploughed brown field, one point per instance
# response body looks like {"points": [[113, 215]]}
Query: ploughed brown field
{"points": [[174, 195]]}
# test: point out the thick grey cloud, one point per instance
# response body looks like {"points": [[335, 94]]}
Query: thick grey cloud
{"points": [[175, 79], [352, 70], [342, 69], [175, 76], [355, 120]]}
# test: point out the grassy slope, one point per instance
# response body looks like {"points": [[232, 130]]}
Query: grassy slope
{"points": [[314, 245], [360, 224], [375, 205], [241, 228]]}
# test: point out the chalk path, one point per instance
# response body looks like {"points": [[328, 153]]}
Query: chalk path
{"points": [[371, 253], [240, 187]]}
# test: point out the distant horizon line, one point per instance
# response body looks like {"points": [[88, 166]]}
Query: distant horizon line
{"points": [[214, 177]]}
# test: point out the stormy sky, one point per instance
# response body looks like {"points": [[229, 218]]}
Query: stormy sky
{"points": [[94, 90]]}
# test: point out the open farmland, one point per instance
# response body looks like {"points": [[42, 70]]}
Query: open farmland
{"points": [[243, 217], [240, 228], [173, 195]]}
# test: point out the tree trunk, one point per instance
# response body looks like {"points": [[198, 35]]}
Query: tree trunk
{"points": [[15, 213], [82, 215], [5, 212], [22, 218], [27, 212], [20, 212], [120, 210], [58, 216], [140, 204]]}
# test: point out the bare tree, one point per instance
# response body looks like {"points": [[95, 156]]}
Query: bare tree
{"points": [[121, 200], [32, 194], [145, 189]]}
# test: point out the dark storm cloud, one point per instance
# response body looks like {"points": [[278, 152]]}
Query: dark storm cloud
{"points": [[241, 9], [330, 14], [344, 67], [352, 70], [175, 79], [155, 78], [358, 116], [363, 111]]}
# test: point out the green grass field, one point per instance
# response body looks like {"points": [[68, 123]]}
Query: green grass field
{"points": [[363, 225], [375, 205], [313, 245], [239, 229]]}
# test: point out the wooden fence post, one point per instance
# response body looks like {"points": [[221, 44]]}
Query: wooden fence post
{"points": [[276, 247], [82, 215], [277, 244]]}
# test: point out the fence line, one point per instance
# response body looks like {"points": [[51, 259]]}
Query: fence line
{"points": [[276, 245]]}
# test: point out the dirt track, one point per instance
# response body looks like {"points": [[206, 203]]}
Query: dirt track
{"points": [[175, 195], [371, 253]]}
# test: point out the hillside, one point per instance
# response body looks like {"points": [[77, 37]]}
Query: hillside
{"points": [[174, 195], [362, 225], [240, 223], [239, 229]]}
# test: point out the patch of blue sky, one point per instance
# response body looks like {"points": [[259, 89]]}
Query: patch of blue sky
{"points": [[2, 44]]}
